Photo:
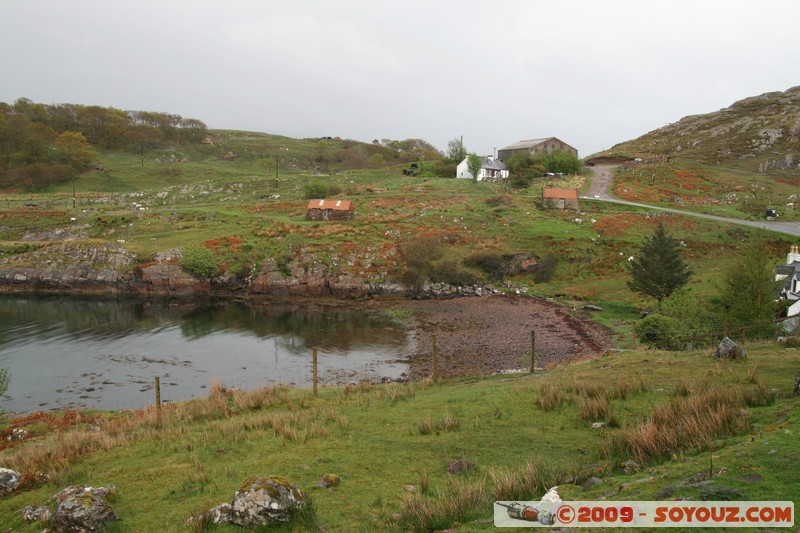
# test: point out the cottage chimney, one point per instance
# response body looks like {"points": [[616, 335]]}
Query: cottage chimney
{"points": [[793, 255]]}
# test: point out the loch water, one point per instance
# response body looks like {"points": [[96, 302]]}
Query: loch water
{"points": [[65, 353]]}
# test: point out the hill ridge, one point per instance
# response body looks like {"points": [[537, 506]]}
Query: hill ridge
{"points": [[758, 133]]}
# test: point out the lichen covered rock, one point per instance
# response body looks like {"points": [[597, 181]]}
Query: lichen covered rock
{"points": [[82, 513], [329, 481], [9, 480], [266, 500]]}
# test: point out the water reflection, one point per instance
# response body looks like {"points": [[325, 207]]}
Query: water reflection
{"points": [[95, 353]]}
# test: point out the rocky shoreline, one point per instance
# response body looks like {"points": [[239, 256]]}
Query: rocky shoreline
{"points": [[492, 334], [485, 333], [111, 270]]}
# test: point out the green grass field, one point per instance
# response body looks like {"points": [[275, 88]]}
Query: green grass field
{"points": [[523, 432]]}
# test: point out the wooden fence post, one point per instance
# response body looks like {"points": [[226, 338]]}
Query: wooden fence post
{"points": [[314, 354], [533, 352], [435, 359], [158, 400]]}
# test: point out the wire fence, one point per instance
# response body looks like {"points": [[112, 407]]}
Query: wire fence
{"points": [[740, 333]]}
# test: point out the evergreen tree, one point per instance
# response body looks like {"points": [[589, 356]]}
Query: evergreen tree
{"points": [[658, 270]]}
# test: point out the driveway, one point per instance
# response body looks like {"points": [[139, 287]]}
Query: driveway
{"points": [[601, 184]]}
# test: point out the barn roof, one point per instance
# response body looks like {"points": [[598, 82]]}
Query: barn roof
{"points": [[526, 144], [336, 205], [561, 193]]}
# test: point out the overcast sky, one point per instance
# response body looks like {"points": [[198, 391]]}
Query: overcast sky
{"points": [[590, 72]]}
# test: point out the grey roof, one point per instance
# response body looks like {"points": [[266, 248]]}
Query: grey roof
{"points": [[790, 271], [492, 165]]}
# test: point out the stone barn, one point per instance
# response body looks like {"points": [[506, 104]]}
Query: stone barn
{"points": [[560, 199], [535, 146], [330, 210]]}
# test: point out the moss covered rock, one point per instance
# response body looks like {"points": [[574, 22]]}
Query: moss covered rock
{"points": [[266, 500]]}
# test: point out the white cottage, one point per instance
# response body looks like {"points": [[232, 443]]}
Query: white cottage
{"points": [[491, 169], [789, 274]]}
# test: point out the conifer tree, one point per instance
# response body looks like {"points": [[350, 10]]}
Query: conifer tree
{"points": [[658, 270]]}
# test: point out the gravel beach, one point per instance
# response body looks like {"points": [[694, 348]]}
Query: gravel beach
{"points": [[484, 335]]}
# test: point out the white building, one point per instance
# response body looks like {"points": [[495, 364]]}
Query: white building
{"points": [[790, 275], [491, 169]]}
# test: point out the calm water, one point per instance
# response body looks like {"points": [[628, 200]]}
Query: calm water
{"points": [[105, 354]]}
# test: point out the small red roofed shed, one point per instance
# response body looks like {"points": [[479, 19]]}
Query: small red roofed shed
{"points": [[560, 199], [330, 210]]}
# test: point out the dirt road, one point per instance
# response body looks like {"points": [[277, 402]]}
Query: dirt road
{"points": [[601, 185]]}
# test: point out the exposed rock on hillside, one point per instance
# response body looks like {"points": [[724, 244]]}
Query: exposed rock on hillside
{"points": [[761, 134], [111, 270]]}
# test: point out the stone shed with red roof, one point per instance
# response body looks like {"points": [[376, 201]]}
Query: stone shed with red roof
{"points": [[560, 199], [330, 210]]}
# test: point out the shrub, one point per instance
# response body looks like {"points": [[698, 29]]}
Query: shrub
{"points": [[452, 272], [520, 181], [420, 253], [491, 263], [321, 190], [200, 262], [499, 200], [662, 332], [546, 269]]}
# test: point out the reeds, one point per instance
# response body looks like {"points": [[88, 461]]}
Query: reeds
{"points": [[690, 423], [464, 499], [593, 409], [427, 426], [550, 397]]}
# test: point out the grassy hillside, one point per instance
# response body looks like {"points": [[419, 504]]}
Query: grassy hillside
{"points": [[736, 161], [525, 433], [198, 195]]}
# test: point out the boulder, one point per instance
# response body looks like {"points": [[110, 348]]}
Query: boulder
{"points": [[591, 482], [328, 481], [37, 513], [796, 388], [105, 493], [456, 467], [9, 480], [82, 513], [266, 500], [728, 349], [630, 467]]}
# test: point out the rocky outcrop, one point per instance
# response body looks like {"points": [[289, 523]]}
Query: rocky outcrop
{"points": [[80, 268], [110, 270], [759, 133]]}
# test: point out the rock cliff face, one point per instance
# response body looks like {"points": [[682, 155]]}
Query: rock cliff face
{"points": [[111, 270]]}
